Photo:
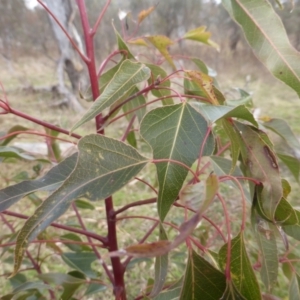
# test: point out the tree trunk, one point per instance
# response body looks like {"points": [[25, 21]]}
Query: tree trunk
{"points": [[69, 59]]}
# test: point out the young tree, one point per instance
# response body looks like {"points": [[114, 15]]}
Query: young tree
{"points": [[200, 143]]}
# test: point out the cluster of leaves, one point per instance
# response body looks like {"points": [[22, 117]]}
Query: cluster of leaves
{"points": [[199, 141]]}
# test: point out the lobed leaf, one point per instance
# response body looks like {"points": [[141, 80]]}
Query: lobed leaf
{"points": [[177, 133], [104, 165], [128, 75]]}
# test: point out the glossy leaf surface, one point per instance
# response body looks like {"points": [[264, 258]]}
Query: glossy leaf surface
{"points": [[174, 132]]}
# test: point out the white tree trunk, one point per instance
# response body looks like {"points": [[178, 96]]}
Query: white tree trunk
{"points": [[68, 62]]}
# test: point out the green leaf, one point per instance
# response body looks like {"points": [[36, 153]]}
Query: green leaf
{"points": [[262, 165], [81, 261], [134, 103], [131, 139], [234, 142], [161, 267], [69, 282], [285, 214], [200, 64], [159, 73], [94, 288], [282, 128], [11, 130], [262, 27], [294, 290], [60, 278], [161, 43], [128, 75], [292, 163], [36, 285], [214, 113], [222, 166], [74, 247], [241, 270], [17, 280], [264, 233], [293, 230], [204, 83], [172, 293], [232, 293], [104, 165], [245, 99], [174, 132], [122, 46], [200, 35], [202, 280], [12, 152], [84, 204], [49, 182]]}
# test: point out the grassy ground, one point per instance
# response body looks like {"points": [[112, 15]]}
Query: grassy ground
{"points": [[273, 98]]}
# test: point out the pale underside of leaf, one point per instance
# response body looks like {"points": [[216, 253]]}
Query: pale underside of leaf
{"points": [[128, 75], [52, 180], [266, 35], [104, 165]]}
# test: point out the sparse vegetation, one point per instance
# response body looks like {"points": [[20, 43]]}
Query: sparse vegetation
{"points": [[183, 189]]}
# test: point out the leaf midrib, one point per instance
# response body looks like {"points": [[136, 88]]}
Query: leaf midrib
{"points": [[267, 38]]}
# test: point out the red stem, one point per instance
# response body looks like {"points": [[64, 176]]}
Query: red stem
{"points": [[118, 268], [128, 259], [79, 218], [94, 30], [124, 137], [133, 204], [112, 244], [84, 58], [34, 263], [40, 122], [64, 227], [202, 149], [228, 261]]}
